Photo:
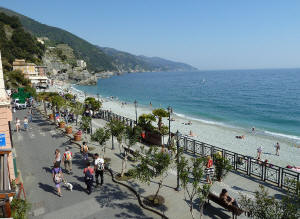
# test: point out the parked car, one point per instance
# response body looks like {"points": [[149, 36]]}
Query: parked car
{"points": [[19, 105]]}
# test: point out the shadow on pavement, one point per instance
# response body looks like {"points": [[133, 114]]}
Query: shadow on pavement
{"points": [[47, 188]]}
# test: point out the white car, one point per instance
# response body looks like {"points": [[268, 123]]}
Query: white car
{"points": [[19, 105]]}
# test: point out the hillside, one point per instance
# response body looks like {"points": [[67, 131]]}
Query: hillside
{"points": [[130, 62], [95, 58], [15, 43], [98, 59]]}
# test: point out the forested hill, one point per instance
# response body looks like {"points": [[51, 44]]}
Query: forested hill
{"points": [[98, 59]]}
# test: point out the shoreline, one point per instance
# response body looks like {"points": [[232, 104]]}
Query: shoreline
{"points": [[210, 132]]}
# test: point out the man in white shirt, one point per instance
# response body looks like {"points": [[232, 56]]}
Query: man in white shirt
{"points": [[99, 169]]}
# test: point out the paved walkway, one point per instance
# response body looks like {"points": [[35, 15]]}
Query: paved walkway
{"points": [[176, 206], [35, 154]]}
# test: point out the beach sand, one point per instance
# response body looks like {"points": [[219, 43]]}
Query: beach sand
{"points": [[214, 134]]}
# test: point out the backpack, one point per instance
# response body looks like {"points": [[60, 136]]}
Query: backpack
{"points": [[57, 176], [68, 155], [88, 175], [100, 166]]}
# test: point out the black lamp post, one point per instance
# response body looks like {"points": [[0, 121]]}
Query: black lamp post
{"points": [[98, 96], [170, 111], [90, 106], [135, 105], [178, 188]]}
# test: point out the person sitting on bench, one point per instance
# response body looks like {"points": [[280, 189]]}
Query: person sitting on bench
{"points": [[227, 199]]}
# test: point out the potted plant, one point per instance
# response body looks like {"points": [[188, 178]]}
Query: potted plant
{"points": [[51, 117], [77, 136], [69, 129], [19, 208], [61, 124]]}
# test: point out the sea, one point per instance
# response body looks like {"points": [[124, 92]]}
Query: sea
{"points": [[267, 99]]}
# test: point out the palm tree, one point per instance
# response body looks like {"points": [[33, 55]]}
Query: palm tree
{"points": [[160, 113], [145, 121]]}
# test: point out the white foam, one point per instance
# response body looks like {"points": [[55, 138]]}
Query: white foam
{"points": [[283, 135]]}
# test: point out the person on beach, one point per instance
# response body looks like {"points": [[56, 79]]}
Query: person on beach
{"points": [[191, 134], [209, 170], [84, 150], [259, 150], [18, 124], [57, 177], [67, 159], [88, 177], [57, 159], [25, 123], [277, 147], [99, 169]]}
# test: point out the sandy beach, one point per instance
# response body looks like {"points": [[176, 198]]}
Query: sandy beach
{"points": [[214, 134]]}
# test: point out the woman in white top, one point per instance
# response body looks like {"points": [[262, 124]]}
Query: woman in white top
{"points": [[57, 157], [18, 124]]}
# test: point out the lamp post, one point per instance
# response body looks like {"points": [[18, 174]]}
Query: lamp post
{"points": [[170, 111], [135, 105], [91, 130], [177, 160]]}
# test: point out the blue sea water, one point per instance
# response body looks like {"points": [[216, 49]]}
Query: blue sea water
{"points": [[266, 99]]}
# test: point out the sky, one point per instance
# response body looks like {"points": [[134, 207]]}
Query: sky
{"points": [[208, 34]]}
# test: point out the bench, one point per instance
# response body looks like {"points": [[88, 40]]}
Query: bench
{"points": [[236, 211]]}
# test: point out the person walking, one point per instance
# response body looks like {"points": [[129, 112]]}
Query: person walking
{"points": [[57, 177], [67, 159], [209, 170], [259, 150], [57, 159], [277, 146], [18, 124], [99, 169], [25, 123], [30, 115], [84, 151], [88, 177]]}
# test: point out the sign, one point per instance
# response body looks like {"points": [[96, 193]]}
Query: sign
{"points": [[2, 140]]}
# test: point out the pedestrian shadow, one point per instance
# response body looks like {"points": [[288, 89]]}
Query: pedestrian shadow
{"points": [[76, 187], [47, 169], [241, 189], [79, 178], [47, 188]]}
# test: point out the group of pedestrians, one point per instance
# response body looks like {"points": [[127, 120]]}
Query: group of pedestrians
{"points": [[93, 169], [26, 121]]}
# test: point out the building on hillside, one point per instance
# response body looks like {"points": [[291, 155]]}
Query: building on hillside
{"points": [[41, 70], [81, 63], [36, 74], [28, 69], [7, 173]]}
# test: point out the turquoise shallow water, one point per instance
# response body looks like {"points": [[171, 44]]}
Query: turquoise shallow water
{"points": [[266, 99]]}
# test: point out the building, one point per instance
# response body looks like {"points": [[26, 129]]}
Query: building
{"points": [[7, 169], [36, 74], [81, 63], [28, 69], [41, 70]]}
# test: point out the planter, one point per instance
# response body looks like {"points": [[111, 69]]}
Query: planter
{"points": [[61, 125], [69, 130], [51, 117], [77, 137]]}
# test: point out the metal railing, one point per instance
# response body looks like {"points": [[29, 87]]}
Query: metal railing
{"points": [[266, 172]]}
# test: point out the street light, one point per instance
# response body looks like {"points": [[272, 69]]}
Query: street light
{"points": [[177, 160], [135, 105], [98, 97], [170, 111], [91, 130]]}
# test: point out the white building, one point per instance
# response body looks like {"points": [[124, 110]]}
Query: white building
{"points": [[81, 63]]}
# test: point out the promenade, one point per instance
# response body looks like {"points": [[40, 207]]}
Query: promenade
{"points": [[35, 154], [36, 149]]}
